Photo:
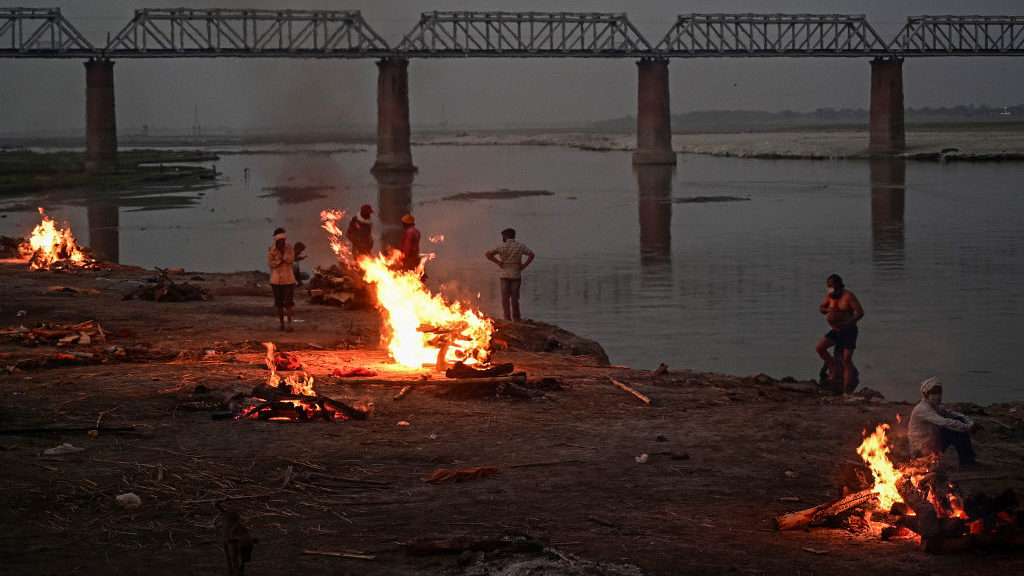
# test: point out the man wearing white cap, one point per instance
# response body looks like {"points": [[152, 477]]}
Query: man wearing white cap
{"points": [[282, 278], [934, 427]]}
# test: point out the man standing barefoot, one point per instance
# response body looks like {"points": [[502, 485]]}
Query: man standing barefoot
{"points": [[843, 311], [282, 278]]}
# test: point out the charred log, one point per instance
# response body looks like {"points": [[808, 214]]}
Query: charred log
{"points": [[823, 513]]}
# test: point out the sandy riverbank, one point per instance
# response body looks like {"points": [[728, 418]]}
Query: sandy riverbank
{"points": [[726, 454]]}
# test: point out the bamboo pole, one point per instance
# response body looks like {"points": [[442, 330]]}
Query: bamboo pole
{"points": [[645, 399]]}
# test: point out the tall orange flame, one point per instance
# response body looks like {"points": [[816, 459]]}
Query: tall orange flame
{"points": [[421, 327], [51, 245], [875, 453]]}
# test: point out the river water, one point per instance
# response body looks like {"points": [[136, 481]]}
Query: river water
{"points": [[718, 264]]}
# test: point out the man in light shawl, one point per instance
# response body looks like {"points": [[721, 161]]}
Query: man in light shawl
{"points": [[933, 427]]}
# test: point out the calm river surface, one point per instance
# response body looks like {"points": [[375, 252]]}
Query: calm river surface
{"points": [[718, 264]]}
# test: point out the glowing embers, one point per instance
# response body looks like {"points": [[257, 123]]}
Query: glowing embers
{"points": [[420, 328], [52, 248], [292, 398], [916, 501]]}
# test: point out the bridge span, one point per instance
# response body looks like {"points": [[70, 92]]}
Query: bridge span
{"points": [[249, 33]]}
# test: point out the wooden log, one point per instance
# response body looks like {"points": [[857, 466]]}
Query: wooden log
{"points": [[460, 370], [509, 543], [357, 555], [441, 365], [823, 512], [1007, 540], [514, 378], [927, 521], [66, 429], [643, 398]]}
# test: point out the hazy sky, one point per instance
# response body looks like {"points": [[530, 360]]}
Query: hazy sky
{"points": [[235, 92]]}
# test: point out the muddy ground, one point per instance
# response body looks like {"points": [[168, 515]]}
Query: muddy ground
{"points": [[725, 454]]}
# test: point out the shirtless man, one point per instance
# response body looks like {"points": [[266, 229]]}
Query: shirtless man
{"points": [[842, 310]]}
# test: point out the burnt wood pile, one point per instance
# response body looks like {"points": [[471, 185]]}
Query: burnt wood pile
{"points": [[163, 289], [932, 509]]}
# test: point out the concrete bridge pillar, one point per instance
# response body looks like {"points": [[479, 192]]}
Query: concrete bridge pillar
{"points": [[888, 135], [394, 200], [100, 121], [653, 115], [393, 149]]}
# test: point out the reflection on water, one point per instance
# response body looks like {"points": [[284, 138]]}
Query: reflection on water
{"points": [[654, 193], [888, 176], [104, 236], [394, 200], [933, 251]]}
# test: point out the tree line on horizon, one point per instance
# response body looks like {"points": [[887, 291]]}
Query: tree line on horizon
{"points": [[962, 112]]}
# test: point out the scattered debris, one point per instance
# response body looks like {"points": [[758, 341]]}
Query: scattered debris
{"points": [[454, 476], [65, 448], [166, 290], [351, 372], [129, 500]]}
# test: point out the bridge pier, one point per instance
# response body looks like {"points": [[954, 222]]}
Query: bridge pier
{"points": [[393, 148], [887, 130], [653, 115], [100, 120]]}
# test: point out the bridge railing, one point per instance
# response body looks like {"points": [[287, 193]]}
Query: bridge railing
{"points": [[961, 36], [40, 32], [769, 35], [524, 35], [265, 33]]}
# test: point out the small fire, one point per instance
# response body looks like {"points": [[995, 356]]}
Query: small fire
{"points": [[291, 398], [875, 453], [298, 385], [51, 246], [421, 327]]}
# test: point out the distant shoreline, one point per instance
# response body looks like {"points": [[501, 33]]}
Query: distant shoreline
{"points": [[930, 142]]}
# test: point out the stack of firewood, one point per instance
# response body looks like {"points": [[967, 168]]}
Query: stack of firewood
{"points": [[339, 286]]}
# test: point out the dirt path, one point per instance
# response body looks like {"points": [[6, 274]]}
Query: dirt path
{"points": [[725, 454]]}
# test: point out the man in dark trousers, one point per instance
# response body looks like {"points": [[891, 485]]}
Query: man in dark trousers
{"points": [[509, 257], [280, 257]]}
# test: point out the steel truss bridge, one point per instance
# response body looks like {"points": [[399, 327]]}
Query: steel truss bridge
{"points": [[182, 32]]}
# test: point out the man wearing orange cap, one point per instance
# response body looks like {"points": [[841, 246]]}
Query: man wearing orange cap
{"points": [[410, 246], [360, 232]]}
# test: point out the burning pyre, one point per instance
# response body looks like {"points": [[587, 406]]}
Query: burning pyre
{"points": [[52, 248], [421, 328], [916, 501], [292, 398]]}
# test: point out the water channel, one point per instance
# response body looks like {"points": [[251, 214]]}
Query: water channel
{"points": [[717, 264]]}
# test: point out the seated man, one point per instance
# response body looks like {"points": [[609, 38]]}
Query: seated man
{"points": [[933, 427]]}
